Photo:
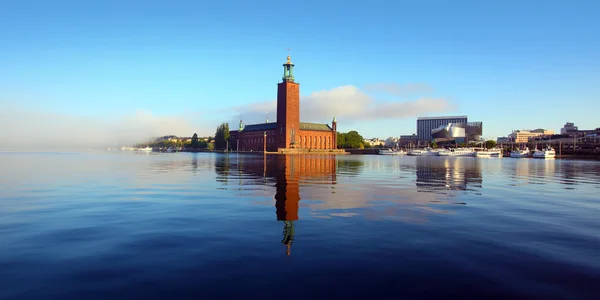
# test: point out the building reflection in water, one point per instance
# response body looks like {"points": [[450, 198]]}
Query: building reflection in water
{"points": [[288, 172], [437, 174]]}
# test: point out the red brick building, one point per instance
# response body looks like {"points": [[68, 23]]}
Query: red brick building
{"points": [[288, 131]]}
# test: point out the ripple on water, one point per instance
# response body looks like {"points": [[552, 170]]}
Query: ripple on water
{"points": [[119, 226]]}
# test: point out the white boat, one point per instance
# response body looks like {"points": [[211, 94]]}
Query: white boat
{"points": [[457, 152], [519, 153], [147, 149], [391, 152], [492, 152], [546, 152], [423, 152]]}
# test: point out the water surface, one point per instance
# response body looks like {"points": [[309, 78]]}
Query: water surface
{"points": [[122, 225]]}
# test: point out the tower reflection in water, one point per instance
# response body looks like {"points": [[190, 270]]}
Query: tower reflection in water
{"points": [[288, 172]]}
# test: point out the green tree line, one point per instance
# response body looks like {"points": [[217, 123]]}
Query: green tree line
{"points": [[351, 140], [222, 136]]}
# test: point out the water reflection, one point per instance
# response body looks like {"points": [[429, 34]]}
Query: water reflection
{"points": [[350, 167], [447, 173], [285, 172], [331, 187], [289, 171]]}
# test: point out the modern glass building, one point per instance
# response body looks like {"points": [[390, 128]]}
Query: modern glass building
{"points": [[459, 132], [426, 124], [448, 128]]}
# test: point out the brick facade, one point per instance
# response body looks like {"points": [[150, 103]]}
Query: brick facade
{"points": [[288, 132]]}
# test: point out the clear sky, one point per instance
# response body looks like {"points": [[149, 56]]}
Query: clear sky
{"points": [[95, 70]]}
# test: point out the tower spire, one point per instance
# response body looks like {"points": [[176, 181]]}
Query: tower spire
{"points": [[288, 69]]}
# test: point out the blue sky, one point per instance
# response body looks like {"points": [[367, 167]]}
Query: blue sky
{"points": [[161, 67]]}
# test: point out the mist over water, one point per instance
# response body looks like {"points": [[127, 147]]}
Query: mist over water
{"points": [[26, 129], [122, 225]]}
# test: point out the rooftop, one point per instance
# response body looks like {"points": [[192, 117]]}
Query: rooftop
{"points": [[273, 126], [315, 126], [442, 117], [260, 127]]}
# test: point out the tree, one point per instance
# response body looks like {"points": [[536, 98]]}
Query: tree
{"points": [[490, 144], [194, 144], [341, 140], [353, 139], [434, 145], [222, 136]]}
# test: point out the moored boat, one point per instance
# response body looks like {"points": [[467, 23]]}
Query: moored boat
{"points": [[392, 152], [546, 152], [492, 152], [520, 153], [147, 149], [457, 152], [423, 152]]}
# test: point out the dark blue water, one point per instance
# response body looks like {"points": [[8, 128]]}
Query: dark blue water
{"points": [[121, 225]]}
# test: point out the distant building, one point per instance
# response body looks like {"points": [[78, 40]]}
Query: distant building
{"points": [[427, 124], [523, 136], [391, 142], [503, 139], [167, 138], [568, 128], [573, 131], [407, 141], [543, 131], [452, 128], [374, 142]]}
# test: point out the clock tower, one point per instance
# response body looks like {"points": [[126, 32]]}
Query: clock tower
{"points": [[288, 108]]}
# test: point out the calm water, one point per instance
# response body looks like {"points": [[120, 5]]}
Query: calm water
{"points": [[113, 225]]}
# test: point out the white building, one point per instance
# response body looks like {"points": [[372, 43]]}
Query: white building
{"points": [[523, 136], [374, 142], [569, 127]]}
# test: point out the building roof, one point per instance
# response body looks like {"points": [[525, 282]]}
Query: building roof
{"points": [[315, 126], [273, 126], [260, 127], [443, 117]]}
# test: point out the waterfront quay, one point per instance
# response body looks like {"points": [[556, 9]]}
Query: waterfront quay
{"points": [[565, 147]]}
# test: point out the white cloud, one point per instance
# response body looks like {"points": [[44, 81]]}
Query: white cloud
{"points": [[348, 103], [399, 89]]}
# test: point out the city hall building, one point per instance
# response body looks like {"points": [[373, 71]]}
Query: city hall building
{"points": [[287, 132]]}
